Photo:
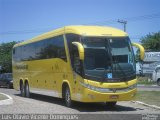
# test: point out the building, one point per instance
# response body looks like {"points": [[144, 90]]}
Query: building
{"points": [[151, 60]]}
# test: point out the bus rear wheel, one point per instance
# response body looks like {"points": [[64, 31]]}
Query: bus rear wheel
{"points": [[110, 104], [27, 91], [8, 86], [67, 97], [22, 92]]}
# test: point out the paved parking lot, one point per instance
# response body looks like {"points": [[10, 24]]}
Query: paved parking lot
{"points": [[49, 105]]}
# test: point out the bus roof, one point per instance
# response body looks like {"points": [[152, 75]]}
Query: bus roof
{"points": [[80, 30]]}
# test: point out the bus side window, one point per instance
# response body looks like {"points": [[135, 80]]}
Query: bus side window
{"points": [[74, 55], [13, 51]]}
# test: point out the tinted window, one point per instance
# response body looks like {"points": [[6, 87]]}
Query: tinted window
{"points": [[72, 38], [74, 55], [55, 48], [45, 49], [13, 51], [40, 50], [17, 54], [28, 52]]}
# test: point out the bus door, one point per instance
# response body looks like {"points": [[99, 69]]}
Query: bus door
{"points": [[77, 68]]}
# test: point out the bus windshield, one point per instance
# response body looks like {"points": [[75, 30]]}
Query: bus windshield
{"points": [[108, 59]]}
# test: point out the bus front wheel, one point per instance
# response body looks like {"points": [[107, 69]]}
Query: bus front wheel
{"points": [[27, 91], [67, 97]]}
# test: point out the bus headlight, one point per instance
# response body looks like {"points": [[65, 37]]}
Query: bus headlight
{"points": [[132, 86], [109, 90]]}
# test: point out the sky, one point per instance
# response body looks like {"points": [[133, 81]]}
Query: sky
{"points": [[24, 19]]}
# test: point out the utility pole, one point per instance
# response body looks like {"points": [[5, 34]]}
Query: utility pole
{"points": [[124, 24]]}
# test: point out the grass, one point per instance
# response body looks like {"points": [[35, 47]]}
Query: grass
{"points": [[149, 97], [145, 81], [3, 97]]}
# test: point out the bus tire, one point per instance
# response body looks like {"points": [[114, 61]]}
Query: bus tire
{"points": [[110, 104], [27, 91], [22, 92], [158, 82], [8, 86], [67, 97]]}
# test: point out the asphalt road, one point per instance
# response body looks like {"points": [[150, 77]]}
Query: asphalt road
{"points": [[41, 104]]}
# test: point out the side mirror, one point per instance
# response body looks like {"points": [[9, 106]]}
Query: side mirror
{"points": [[80, 49], [141, 49]]}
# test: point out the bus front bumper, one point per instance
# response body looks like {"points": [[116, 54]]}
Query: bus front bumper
{"points": [[94, 96]]}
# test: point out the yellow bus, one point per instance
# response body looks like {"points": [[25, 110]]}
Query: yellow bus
{"points": [[77, 63]]}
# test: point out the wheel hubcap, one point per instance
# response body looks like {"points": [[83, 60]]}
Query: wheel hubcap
{"points": [[67, 96]]}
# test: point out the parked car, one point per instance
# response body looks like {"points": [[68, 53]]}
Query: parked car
{"points": [[156, 75], [6, 80]]}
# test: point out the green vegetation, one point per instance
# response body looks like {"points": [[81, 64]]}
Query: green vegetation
{"points": [[3, 97], [6, 57], [149, 97], [151, 42], [145, 81]]}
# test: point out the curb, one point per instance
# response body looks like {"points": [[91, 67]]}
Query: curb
{"points": [[7, 101], [142, 85], [142, 103]]}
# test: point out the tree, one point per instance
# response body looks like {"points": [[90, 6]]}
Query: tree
{"points": [[6, 57], [151, 42]]}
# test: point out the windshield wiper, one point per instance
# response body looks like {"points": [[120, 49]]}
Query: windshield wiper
{"points": [[103, 75], [117, 63], [99, 69]]}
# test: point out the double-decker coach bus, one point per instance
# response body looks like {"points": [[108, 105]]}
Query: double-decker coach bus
{"points": [[77, 63]]}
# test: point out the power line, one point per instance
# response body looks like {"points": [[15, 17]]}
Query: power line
{"points": [[26, 31], [143, 17], [108, 22], [124, 24], [21, 32], [102, 22], [130, 19]]}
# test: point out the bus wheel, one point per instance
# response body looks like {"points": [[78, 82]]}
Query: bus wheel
{"points": [[110, 104], [22, 89], [158, 82], [67, 97], [27, 91], [8, 86]]}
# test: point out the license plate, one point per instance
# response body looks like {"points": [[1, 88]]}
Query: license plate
{"points": [[114, 96]]}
